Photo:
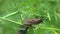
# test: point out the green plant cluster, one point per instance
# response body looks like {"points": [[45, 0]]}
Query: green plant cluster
{"points": [[13, 12]]}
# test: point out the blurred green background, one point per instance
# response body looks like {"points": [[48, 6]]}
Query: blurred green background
{"points": [[13, 12]]}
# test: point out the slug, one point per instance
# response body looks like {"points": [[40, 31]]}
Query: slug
{"points": [[30, 22]]}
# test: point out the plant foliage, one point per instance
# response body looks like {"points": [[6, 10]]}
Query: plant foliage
{"points": [[13, 12]]}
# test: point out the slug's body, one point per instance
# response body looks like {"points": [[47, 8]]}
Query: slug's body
{"points": [[32, 21]]}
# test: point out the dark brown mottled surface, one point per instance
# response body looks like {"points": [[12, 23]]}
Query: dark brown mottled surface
{"points": [[32, 21]]}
